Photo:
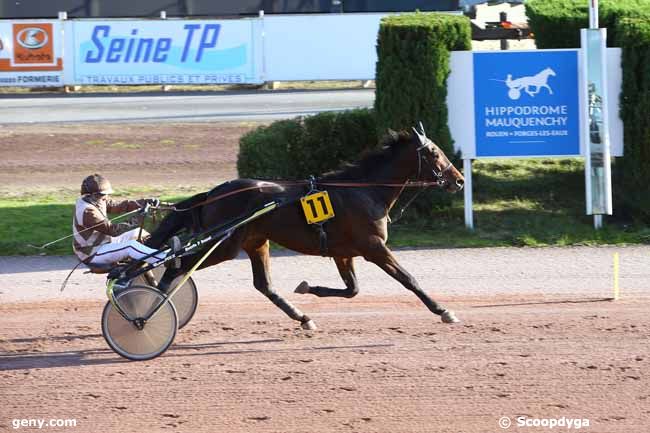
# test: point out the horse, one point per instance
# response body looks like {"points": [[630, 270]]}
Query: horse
{"points": [[537, 81], [361, 194]]}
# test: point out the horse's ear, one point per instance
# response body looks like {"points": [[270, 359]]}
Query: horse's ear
{"points": [[422, 138], [421, 127]]}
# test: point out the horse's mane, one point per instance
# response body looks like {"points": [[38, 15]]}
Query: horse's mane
{"points": [[391, 144]]}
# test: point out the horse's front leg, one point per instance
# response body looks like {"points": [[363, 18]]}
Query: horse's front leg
{"points": [[345, 266], [258, 252], [380, 255], [530, 92]]}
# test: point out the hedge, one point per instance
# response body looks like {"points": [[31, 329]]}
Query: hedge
{"points": [[297, 148], [413, 52], [631, 173], [557, 23]]}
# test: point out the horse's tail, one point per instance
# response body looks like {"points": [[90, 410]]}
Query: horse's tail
{"points": [[181, 218]]}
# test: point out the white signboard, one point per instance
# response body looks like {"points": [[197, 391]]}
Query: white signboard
{"points": [[31, 53], [505, 104], [163, 52], [523, 103], [321, 47]]}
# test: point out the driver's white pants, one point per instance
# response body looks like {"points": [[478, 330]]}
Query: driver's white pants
{"points": [[125, 246]]}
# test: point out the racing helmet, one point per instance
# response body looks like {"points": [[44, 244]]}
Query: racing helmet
{"points": [[96, 184]]}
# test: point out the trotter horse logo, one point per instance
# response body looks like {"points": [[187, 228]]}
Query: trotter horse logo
{"points": [[531, 85]]}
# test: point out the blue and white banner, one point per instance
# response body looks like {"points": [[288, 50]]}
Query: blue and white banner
{"points": [[163, 52], [526, 103]]}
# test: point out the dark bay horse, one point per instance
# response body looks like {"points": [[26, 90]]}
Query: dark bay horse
{"points": [[361, 194]]}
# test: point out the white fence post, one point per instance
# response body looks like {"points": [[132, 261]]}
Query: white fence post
{"points": [[469, 211]]}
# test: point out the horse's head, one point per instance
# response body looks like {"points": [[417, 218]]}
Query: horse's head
{"points": [[550, 72], [433, 164]]}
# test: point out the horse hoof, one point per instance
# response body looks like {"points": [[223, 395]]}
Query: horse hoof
{"points": [[309, 325], [302, 288], [449, 317]]}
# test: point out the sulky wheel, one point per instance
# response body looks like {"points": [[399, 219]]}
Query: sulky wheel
{"points": [[186, 299], [514, 94], [137, 339]]}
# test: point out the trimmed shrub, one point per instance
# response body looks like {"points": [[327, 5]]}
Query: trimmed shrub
{"points": [[557, 23], [632, 172], [332, 138], [413, 53], [266, 152], [297, 148]]}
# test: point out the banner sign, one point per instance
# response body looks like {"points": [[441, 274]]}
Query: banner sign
{"points": [[164, 52], [31, 53], [526, 103]]}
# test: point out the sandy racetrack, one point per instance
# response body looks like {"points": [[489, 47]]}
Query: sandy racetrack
{"points": [[536, 341]]}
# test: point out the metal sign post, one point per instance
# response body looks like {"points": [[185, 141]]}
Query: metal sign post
{"points": [[469, 210], [598, 180]]}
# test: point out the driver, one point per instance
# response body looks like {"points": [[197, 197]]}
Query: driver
{"points": [[96, 241]]}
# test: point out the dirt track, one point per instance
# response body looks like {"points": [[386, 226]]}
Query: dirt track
{"points": [[536, 340], [58, 157]]}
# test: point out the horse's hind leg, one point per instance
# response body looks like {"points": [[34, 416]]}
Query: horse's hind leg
{"points": [[380, 255], [258, 252], [345, 266]]}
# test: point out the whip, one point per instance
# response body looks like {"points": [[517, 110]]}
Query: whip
{"points": [[42, 247]]}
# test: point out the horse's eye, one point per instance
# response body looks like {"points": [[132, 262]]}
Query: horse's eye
{"points": [[435, 154]]}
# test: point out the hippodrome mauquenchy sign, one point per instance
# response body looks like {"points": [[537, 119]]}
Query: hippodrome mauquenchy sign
{"points": [[526, 103], [157, 52]]}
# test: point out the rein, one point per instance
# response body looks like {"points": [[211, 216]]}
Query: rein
{"points": [[42, 247], [407, 184], [438, 174]]}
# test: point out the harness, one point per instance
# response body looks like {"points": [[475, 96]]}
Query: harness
{"points": [[319, 224]]}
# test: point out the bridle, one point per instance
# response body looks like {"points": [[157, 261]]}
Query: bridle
{"points": [[437, 173]]}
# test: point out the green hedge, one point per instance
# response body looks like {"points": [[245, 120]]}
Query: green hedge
{"points": [[632, 172], [297, 148], [413, 53], [557, 23]]}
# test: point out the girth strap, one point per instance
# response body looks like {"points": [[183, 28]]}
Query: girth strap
{"points": [[322, 239]]}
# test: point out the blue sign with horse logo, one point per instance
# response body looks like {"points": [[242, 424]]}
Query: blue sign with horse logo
{"points": [[527, 103]]}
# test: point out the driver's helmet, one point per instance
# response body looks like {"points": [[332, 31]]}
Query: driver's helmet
{"points": [[96, 184]]}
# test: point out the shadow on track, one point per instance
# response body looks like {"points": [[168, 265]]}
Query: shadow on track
{"points": [[568, 301], [27, 360]]}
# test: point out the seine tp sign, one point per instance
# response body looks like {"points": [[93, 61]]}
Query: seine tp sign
{"points": [[526, 103]]}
